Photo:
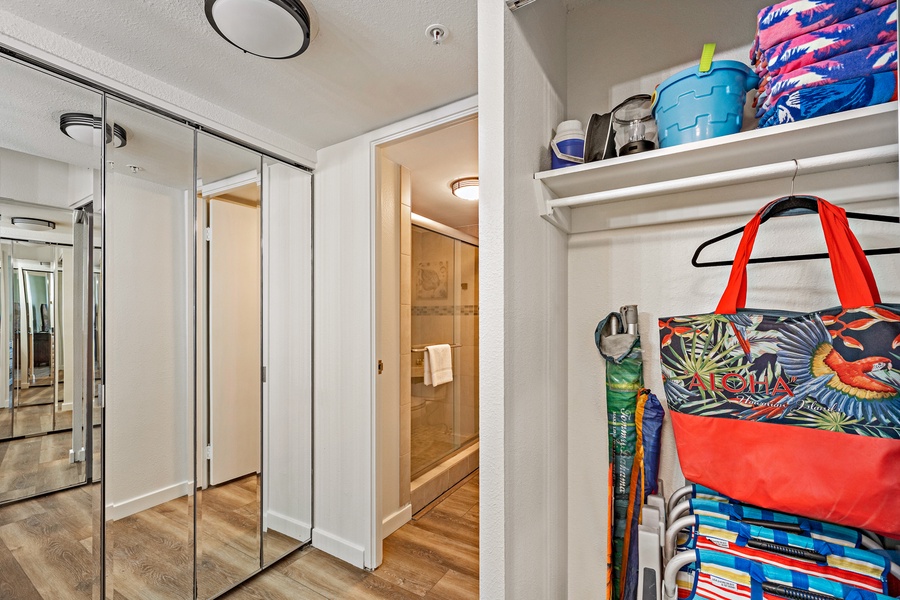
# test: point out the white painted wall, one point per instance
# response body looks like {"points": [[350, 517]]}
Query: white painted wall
{"points": [[522, 84], [613, 42], [148, 371], [43, 181], [287, 351], [347, 506]]}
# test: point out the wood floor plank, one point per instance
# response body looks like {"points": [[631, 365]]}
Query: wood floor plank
{"points": [[14, 582], [57, 565], [454, 586], [334, 578], [149, 557], [272, 585]]}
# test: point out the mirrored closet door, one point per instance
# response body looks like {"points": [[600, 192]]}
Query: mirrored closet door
{"points": [[155, 299], [149, 371], [50, 414]]}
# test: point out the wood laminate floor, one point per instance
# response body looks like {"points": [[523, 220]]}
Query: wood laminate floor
{"points": [[434, 557], [46, 547]]}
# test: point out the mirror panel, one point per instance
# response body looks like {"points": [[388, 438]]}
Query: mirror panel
{"points": [[49, 426], [148, 363], [228, 515]]}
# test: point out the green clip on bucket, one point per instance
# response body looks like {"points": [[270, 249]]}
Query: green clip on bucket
{"points": [[702, 102]]}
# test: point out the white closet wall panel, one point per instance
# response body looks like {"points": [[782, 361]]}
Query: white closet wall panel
{"points": [[344, 352], [523, 307], [287, 474]]}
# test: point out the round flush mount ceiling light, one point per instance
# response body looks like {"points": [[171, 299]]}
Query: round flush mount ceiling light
{"points": [[465, 188], [86, 128], [265, 28], [33, 224]]}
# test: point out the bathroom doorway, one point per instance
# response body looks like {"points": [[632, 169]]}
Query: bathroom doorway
{"points": [[426, 240]]}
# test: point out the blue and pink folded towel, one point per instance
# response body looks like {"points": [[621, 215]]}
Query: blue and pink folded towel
{"points": [[817, 57]]}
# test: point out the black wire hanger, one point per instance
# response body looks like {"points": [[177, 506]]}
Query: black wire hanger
{"points": [[788, 206]]}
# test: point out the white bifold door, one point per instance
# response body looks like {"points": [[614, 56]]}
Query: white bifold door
{"points": [[234, 340]]}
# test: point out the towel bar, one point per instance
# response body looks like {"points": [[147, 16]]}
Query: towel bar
{"points": [[423, 349]]}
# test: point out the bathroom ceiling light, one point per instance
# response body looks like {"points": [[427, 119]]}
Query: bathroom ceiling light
{"points": [[465, 188], [33, 224], [86, 129], [265, 28]]}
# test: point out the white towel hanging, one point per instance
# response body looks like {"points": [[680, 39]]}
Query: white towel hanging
{"points": [[438, 365]]}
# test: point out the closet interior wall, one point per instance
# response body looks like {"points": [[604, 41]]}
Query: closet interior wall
{"points": [[639, 251]]}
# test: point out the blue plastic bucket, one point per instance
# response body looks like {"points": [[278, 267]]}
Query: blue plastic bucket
{"points": [[691, 106]]}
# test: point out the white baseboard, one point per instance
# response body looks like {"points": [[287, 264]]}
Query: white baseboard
{"points": [[288, 526], [393, 522], [339, 547], [120, 510]]}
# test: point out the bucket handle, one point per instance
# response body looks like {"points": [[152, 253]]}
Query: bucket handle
{"points": [[563, 156], [706, 57]]}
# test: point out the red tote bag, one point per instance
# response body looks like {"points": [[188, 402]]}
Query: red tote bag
{"points": [[793, 412]]}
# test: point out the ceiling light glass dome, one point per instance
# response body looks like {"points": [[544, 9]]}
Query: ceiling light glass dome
{"points": [[266, 28]]}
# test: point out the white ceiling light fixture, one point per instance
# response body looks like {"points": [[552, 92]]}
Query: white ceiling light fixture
{"points": [[465, 188], [266, 28], [86, 128], [33, 224]]}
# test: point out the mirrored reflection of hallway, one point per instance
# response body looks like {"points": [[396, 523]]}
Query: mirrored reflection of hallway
{"points": [[434, 556]]}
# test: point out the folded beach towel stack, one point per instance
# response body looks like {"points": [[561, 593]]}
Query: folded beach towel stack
{"points": [[818, 57]]}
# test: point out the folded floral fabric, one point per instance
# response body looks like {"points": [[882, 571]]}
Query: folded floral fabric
{"points": [[872, 28], [807, 103], [859, 63], [792, 18]]}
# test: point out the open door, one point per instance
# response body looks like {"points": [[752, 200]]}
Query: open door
{"points": [[234, 340]]}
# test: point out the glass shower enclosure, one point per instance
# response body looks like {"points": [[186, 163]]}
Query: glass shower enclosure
{"points": [[444, 290]]}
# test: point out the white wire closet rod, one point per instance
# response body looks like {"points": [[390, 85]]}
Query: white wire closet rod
{"points": [[802, 166]]}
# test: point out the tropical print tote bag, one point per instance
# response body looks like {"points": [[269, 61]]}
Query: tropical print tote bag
{"points": [[793, 412]]}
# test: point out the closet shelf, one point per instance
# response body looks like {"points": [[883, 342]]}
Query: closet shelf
{"points": [[843, 142]]}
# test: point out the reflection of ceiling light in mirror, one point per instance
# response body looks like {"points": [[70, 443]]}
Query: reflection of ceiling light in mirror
{"points": [[33, 224], [465, 188], [265, 28], [86, 129]]}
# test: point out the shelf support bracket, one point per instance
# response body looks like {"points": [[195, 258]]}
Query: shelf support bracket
{"points": [[560, 217]]}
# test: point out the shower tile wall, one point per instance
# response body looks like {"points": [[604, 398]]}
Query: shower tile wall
{"points": [[444, 310]]}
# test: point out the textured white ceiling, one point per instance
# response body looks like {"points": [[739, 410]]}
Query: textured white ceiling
{"points": [[434, 161], [370, 65]]}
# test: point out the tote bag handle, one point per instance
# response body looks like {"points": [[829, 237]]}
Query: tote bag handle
{"points": [[852, 274]]}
